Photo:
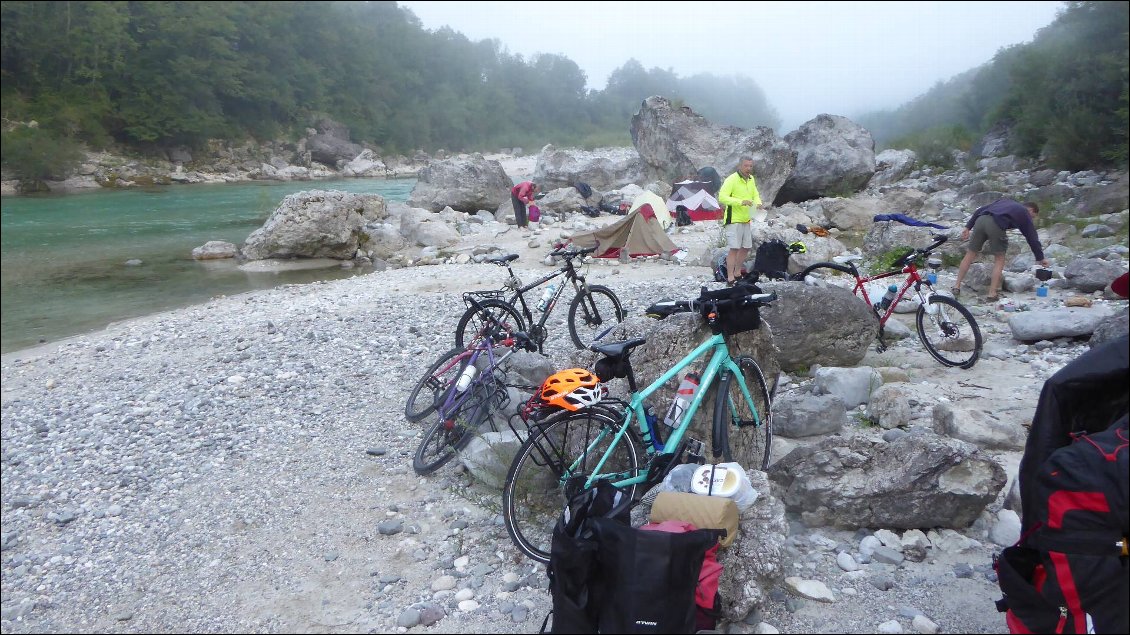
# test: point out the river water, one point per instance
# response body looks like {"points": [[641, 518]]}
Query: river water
{"points": [[63, 258]]}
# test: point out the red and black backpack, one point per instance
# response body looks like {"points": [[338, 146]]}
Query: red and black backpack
{"points": [[1068, 573]]}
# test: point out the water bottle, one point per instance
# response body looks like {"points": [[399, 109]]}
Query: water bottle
{"points": [[889, 297], [683, 397], [465, 378], [546, 297]]}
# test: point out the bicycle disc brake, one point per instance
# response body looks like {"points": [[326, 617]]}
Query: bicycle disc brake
{"points": [[537, 335]]}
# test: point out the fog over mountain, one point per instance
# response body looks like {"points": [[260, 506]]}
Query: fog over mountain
{"points": [[842, 58]]}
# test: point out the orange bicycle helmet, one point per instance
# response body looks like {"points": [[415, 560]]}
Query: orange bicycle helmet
{"points": [[571, 389]]}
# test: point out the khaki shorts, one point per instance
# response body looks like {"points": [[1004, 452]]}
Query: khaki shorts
{"points": [[739, 236], [985, 230]]}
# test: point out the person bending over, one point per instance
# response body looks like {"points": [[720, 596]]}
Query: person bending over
{"points": [[988, 225]]}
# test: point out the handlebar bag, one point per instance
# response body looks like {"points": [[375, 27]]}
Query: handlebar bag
{"points": [[731, 317]]}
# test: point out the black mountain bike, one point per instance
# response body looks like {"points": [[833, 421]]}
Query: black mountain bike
{"points": [[594, 311]]}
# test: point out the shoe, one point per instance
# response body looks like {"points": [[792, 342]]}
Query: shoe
{"points": [[992, 298], [730, 283], [956, 291]]}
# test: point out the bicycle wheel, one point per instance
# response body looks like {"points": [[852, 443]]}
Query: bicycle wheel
{"points": [[949, 332], [429, 390], [475, 321], [593, 314], [540, 481], [449, 435], [744, 429], [830, 266]]}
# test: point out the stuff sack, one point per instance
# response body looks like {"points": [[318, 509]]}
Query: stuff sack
{"points": [[1069, 573], [534, 214], [772, 259], [719, 268], [584, 189], [682, 216]]}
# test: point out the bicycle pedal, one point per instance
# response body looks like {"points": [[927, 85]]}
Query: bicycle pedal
{"points": [[696, 451]]}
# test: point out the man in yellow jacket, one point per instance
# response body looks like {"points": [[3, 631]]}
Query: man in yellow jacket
{"points": [[737, 195]]}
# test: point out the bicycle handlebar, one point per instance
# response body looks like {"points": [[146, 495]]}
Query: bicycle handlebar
{"points": [[563, 250], [914, 255]]}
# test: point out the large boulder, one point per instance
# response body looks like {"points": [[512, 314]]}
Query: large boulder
{"points": [[1092, 274], [365, 164], [602, 168], [891, 166], [857, 212], [918, 480], [1103, 198], [883, 237], [1031, 326], [465, 183], [676, 142], [316, 224], [835, 157], [824, 325], [331, 150]]}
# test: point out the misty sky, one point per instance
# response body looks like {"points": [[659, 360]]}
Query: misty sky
{"points": [[841, 58]]}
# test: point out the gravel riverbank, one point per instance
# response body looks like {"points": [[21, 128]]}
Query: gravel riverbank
{"points": [[244, 465]]}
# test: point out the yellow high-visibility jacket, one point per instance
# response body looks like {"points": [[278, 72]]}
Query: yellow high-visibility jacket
{"points": [[734, 190]]}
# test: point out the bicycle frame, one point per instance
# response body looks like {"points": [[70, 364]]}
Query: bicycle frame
{"points": [[518, 298], [451, 401], [912, 278], [720, 361]]}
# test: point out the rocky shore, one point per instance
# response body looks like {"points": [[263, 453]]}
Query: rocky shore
{"points": [[244, 465]]}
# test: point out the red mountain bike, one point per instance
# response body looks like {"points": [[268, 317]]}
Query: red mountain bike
{"points": [[947, 329]]}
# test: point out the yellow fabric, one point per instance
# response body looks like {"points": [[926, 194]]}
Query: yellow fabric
{"points": [[734, 190], [704, 512]]}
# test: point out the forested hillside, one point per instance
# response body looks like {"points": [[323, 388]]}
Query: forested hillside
{"points": [[155, 75], [162, 74], [1063, 96]]}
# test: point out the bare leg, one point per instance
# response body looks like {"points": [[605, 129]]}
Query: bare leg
{"points": [[742, 255], [963, 268], [732, 264], [998, 269]]}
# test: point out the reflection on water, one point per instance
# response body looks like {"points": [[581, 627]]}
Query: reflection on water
{"points": [[64, 268]]}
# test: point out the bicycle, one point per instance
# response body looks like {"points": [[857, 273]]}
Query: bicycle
{"points": [[469, 393], [593, 312], [945, 327], [571, 451]]}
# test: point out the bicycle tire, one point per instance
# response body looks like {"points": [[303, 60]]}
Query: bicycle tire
{"points": [[594, 307], [942, 334], [502, 313], [534, 494], [449, 435], [834, 266], [744, 435], [435, 380]]}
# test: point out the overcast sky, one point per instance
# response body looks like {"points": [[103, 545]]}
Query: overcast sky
{"points": [[841, 58]]}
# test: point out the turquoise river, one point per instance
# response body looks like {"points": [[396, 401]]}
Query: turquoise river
{"points": [[64, 268]]}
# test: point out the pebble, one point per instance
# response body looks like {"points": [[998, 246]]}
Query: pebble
{"points": [[444, 583], [890, 626], [846, 562], [923, 624], [468, 605]]}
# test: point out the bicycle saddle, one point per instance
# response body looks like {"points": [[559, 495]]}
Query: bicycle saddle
{"points": [[501, 260], [616, 349]]}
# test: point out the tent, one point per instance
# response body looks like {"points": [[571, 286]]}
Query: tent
{"points": [[658, 208], [638, 234], [695, 196]]}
